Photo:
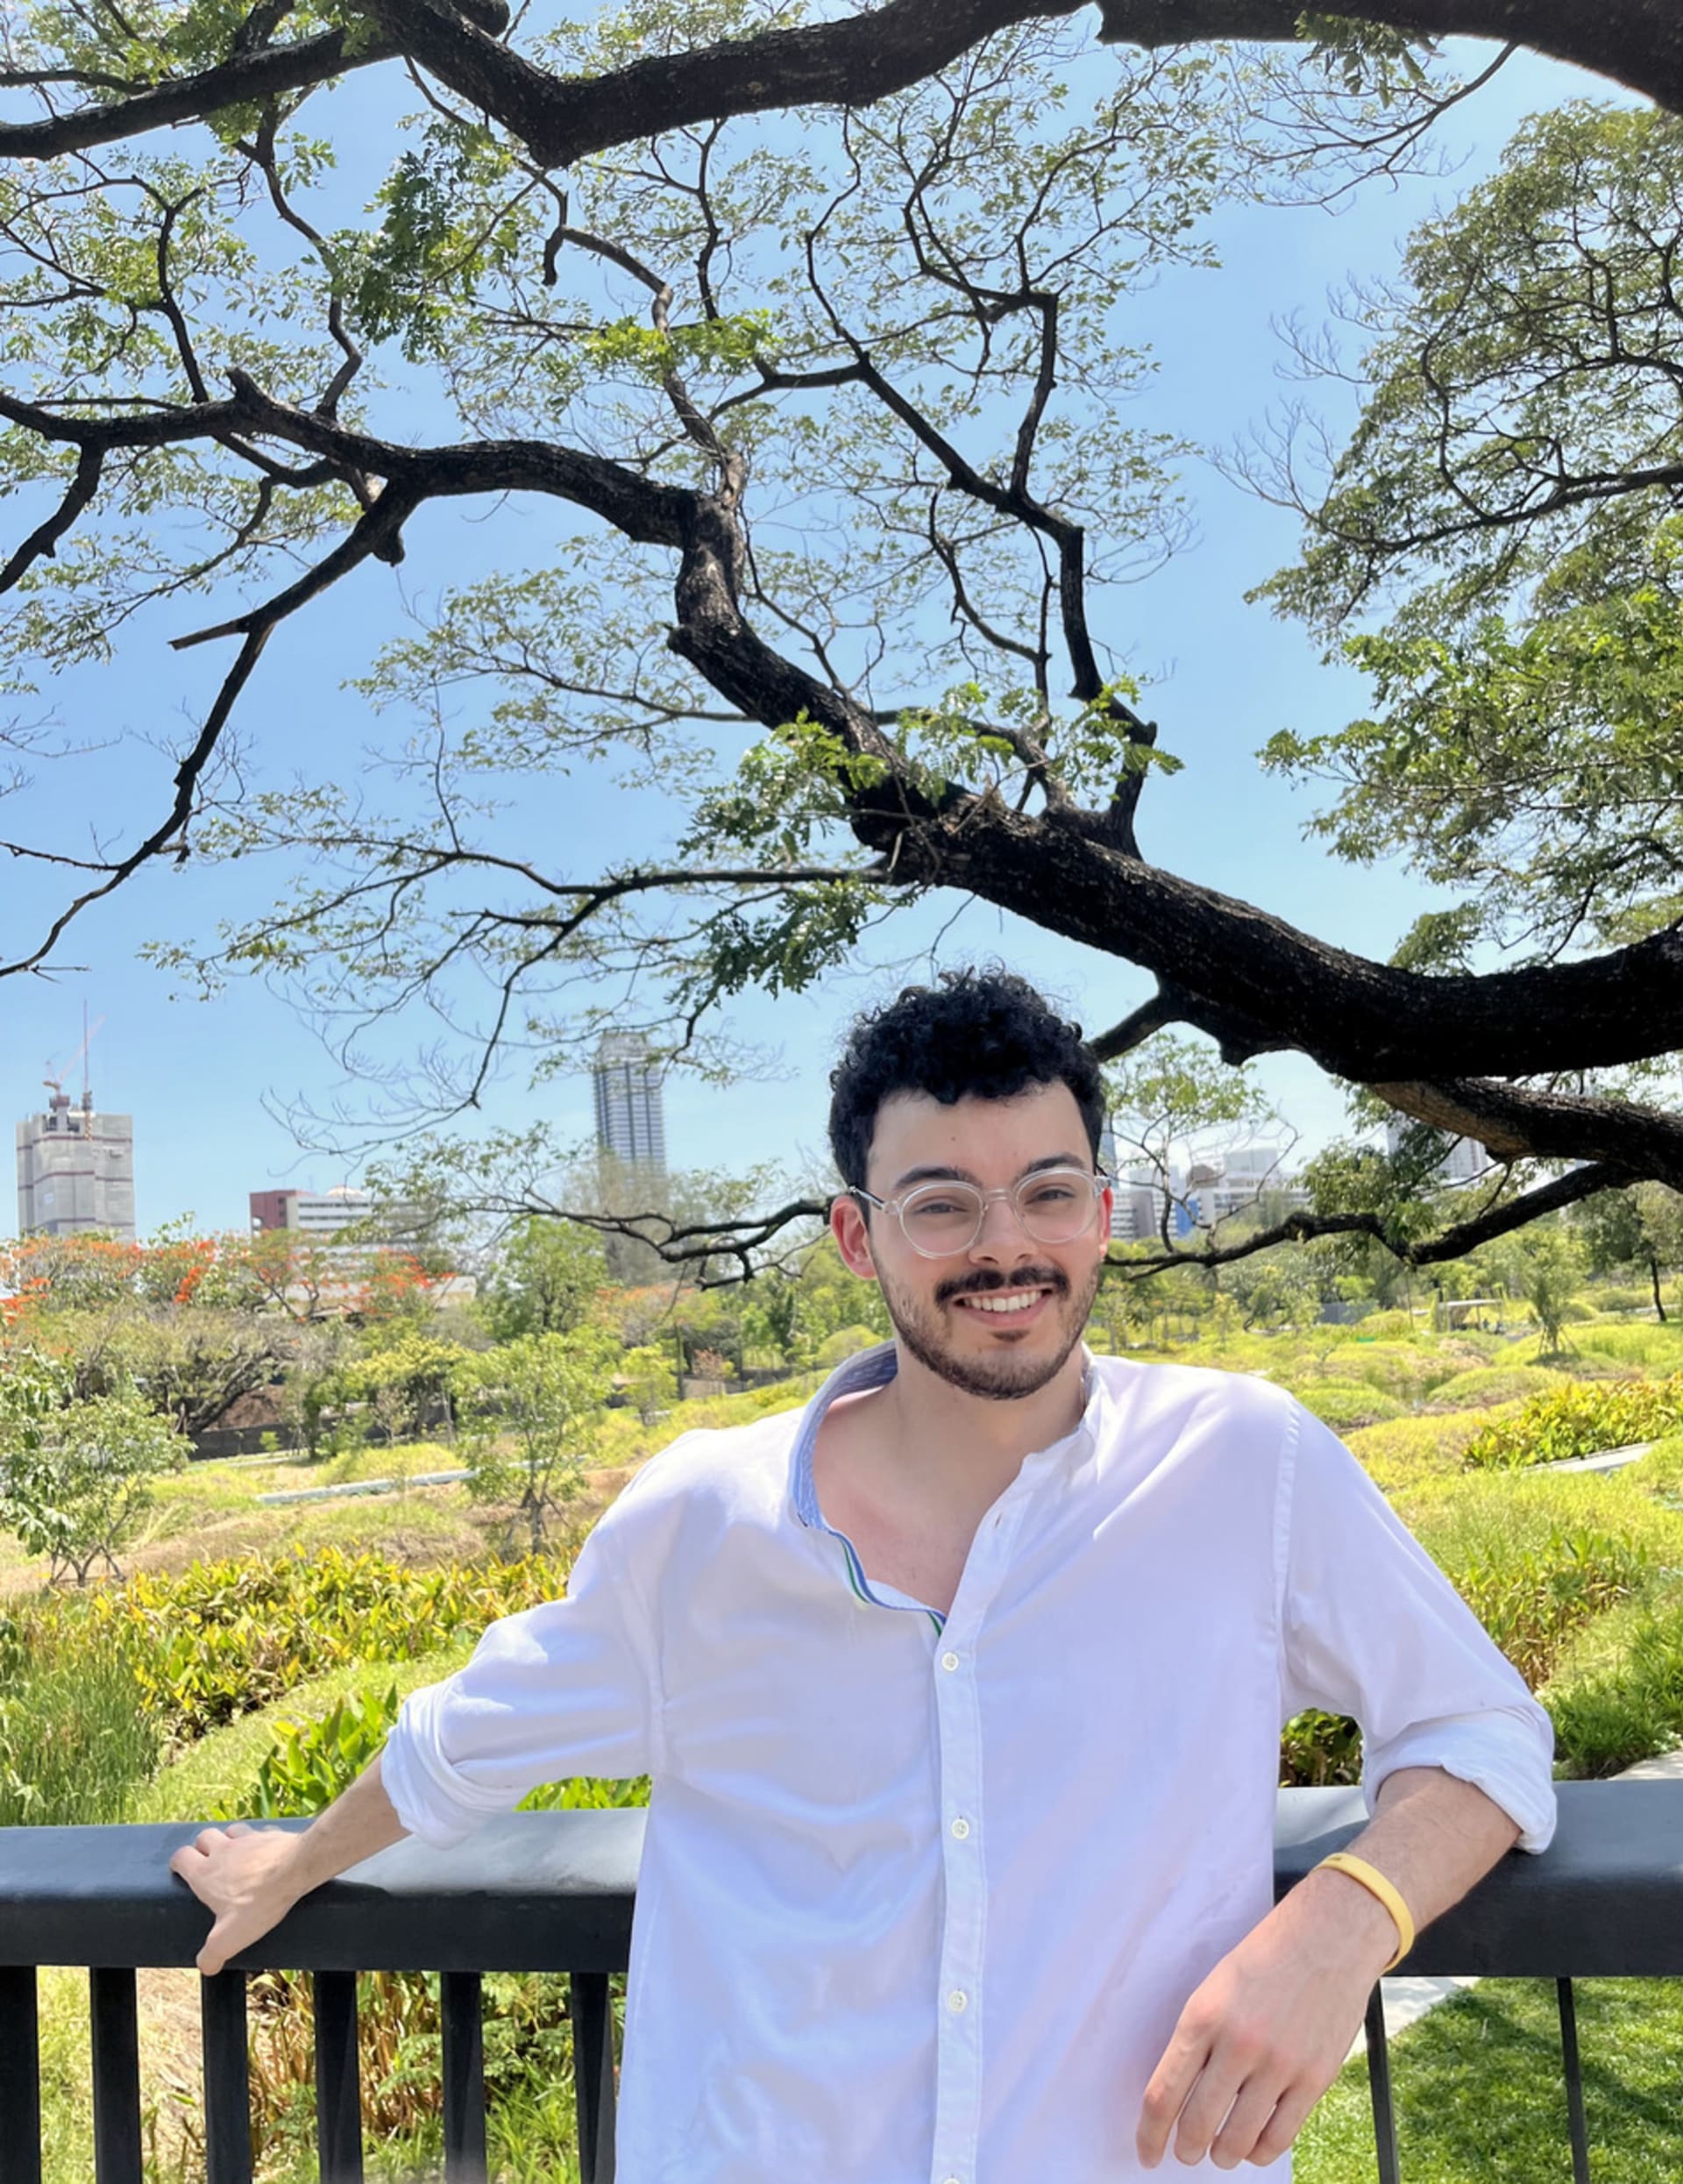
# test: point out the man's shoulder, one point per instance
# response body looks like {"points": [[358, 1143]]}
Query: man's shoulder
{"points": [[737, 1467], [1148, 1386]]}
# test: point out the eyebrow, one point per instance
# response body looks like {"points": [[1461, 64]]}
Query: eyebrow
{"points": [[936, 1174]]}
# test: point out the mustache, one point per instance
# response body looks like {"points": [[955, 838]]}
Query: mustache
{"points": [[984, 1278]]}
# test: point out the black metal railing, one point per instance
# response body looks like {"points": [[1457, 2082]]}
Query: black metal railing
{"points": [[553, 1892]]}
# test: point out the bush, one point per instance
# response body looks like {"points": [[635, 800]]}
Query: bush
{"points": [[846, 1342], [1579, 1420], [1397, 1454], [225, 1637], [1344, 1403], [1539, 1559], [1319, 1748], [1629, 1712], [77, 1740], [1494, 1383], [1647, 1345], [1610, 1296]]}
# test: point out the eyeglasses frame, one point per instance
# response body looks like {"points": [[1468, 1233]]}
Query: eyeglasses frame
{"points": [[1100, 1181]]}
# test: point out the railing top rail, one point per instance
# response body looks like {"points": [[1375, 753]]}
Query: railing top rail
{"points": [[553, 1891]]}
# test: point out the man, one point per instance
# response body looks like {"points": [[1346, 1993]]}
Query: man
{"points": [[962, 1692]]}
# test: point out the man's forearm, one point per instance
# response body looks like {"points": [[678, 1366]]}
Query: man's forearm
{"points": [[360, 1821], [1432, 1836]]}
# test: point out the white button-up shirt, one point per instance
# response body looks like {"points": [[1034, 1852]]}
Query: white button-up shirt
{"points": [[922, 1897]]}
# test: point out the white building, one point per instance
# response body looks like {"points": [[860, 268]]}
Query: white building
{"points": [[75, 1171], [311, 1213]]}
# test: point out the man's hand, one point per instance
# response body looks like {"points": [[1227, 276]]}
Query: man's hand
{"points": [[1266, 2034], [249, 1877], [252, 1878]]}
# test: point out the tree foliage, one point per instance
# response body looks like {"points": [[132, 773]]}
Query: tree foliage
{"points": [[846, 421]]}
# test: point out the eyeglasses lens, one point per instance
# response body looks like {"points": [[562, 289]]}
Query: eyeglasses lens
{"points": [[1052, 1208]]}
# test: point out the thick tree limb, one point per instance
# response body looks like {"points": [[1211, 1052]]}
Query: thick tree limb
{"points": [[1638, 43]]}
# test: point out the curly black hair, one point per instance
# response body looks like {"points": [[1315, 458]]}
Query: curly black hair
{"points": [[979, 1034]]}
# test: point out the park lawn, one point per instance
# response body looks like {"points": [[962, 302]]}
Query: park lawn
{"points": [[1480, 2097]]}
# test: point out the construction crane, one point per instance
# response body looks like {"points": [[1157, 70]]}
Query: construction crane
{"points": [[56, 1083]]}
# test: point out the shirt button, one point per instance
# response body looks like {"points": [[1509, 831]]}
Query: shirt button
{"points": [[958, 2001], [949, 1661], [961, 1828]]}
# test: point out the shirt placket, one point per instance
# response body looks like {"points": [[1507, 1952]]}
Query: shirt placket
{"points": [[960, 1994]]}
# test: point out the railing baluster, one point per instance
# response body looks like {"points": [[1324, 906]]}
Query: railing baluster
{"points": [[227, 2079], [460, 2013], [593, 2074], [117, 2077], [338, 2091], [20, 2075], [1378, 2087], [1575, 2120]]}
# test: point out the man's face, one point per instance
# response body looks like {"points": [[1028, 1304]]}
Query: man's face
{"points": [[947, 1311]]}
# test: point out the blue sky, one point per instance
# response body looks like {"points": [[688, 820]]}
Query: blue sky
{"points": [[202, 1078]]}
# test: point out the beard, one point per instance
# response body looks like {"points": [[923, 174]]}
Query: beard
{"points": [[1008, 1374]]}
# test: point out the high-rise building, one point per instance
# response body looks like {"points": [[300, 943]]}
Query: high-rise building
{"points": [[630, 1116], [314, 1213], [75, 1170]]}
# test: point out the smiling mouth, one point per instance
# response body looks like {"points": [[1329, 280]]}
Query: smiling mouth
{"points": [[1002, 1304]]}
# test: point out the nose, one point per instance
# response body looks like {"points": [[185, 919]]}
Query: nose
{"points": [[1002, 1235]]}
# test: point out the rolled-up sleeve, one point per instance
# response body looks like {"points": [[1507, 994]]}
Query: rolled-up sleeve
{"points": [[1372, 1628], [561, 1690]]}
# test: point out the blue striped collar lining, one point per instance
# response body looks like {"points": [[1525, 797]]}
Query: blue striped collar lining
{"points": [[857, 1375]]}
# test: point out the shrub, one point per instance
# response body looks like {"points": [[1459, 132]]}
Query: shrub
{"points": [[1318, 1748], [1611, 1297], [1409, 1449], [1345, 1404], [76, 1738], [844, 1343], [1494, 1383], [1644, 1344], [222, 1638], [1579, 1419], [1539, 1559], [1629, 1712]]}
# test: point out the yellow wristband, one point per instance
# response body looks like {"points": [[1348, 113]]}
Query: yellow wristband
{"points": [[1389, 1894]]}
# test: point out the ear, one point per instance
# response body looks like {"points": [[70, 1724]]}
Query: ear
{"points": [[852, 1236]]}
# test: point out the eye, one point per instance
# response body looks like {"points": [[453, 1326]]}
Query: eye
{"points": [[1055, 1192], [937, 1207]]}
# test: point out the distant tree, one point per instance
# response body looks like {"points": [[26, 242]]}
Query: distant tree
{"points": [[1551, 1273], [77, 1479], [548, 1276], [1639, 1227], [531, 1413]]}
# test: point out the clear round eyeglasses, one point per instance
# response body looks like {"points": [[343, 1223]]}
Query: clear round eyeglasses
{"points": [[1053, 1206]]}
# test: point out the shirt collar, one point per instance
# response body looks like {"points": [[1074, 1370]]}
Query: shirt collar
{"points": [[875, 1368]]}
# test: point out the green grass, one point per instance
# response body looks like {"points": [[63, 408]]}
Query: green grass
{"points": [[1481, 2099]]}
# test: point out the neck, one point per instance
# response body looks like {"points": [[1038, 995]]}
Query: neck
{"points": [[940, 1430]]}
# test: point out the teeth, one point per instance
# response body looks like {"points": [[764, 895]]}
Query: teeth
{"points": [[1019, 1301]]}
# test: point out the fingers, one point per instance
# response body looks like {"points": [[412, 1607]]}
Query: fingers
{"points": [[1166, 2095], [1250, 2115], [1290, 2115]]}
